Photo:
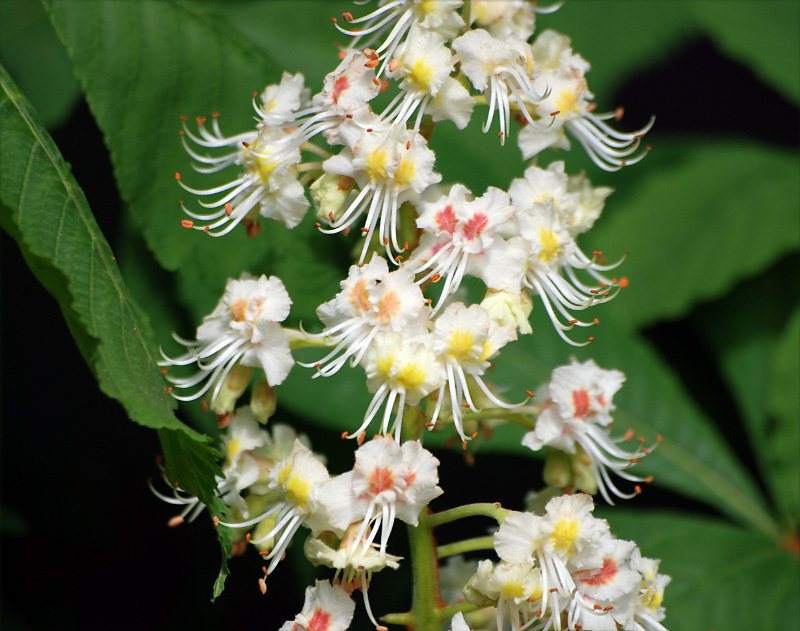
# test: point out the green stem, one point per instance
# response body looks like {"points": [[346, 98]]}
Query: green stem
{"points": [[467, 545], [493, 510], [425, 600]]}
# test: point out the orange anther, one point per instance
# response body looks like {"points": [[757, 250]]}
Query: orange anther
{"points": [[640, 439], [556, 113], [215, 519], [247, 537], [464, 445], [436, 278], [175, 521], [163, 371], [215, 115], [177, 176], [169, 390], [342, 55], [344, 434], [361, 437], [529, 393], [384, 85], [623, 282], [228, 209], [591, 339], [386, 241], [638, 489], [200, 120], [408, 145], [347, 16], [184, 118], [371, 63], [317, 224], [262, 585], [394, 64], [475, 434], [659, 437], [648, 479], [246, 144], [628, 434]]}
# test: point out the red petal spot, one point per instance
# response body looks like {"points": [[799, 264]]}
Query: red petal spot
{"points": [[339, 86], [380, 480], [446, 219], [580, 399], [603, 576], [475, 226], [319, 621]]}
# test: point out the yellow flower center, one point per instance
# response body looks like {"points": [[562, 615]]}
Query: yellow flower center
{"points": [[566, 102], [460, 344], [412, 376], [512, 589], [420, 75], [405, 173], [549, 242], [564, 535], [377, 165], [296, 488]]}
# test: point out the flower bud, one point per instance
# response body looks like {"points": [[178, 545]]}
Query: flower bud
{"points": [[557, 469], [583, 476], [509, 309], [263, 400], [235, 384], [330, 192]]}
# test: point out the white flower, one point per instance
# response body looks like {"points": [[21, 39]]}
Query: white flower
{"points": [[567, 104], [372, 300], [390, 165], [267, 185], [458, 623], [388, 481], [399, 370], [460, 239], [326, 608], [423, 63], [398, 17], [579, 408], [503, 68], [465, 339], [242, 329], [547, 218]]}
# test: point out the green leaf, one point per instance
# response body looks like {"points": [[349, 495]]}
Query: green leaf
{"points": [[48, 215], [190, 66], [693, 458], [32, 54], [758, 356], [45, 210], [709, 217], [762, 35], [723, 577], [193, 466], [784, 406], [618, 38]]}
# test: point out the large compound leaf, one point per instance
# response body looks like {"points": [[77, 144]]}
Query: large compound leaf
{"points": [[142, 65], [693, 458], [47, 213], [762, 35], [45, 210], [707, 219], [758, 355], [32, 54], [723, 577]]}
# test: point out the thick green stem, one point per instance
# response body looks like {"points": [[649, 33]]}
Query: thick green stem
{"points": [[425, 601], [495, 511], [424, 614], [467, 545]]}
